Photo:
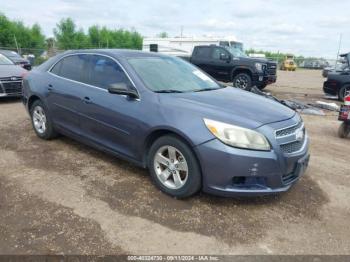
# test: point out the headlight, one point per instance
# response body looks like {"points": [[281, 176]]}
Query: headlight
{"points": [[259, 66], [237, 136]]}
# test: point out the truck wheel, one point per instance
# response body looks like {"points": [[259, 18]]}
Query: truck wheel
{"points": [[344, 130], [343, 91], [242, 81]]}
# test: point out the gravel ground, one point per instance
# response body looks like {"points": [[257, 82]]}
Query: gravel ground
{"points": [[61, 197]]}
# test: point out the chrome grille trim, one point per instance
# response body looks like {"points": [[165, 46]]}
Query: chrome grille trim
{"points": [[287, 138]]}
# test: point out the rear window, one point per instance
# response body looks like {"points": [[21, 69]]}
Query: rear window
{"points": [[70, 67]]}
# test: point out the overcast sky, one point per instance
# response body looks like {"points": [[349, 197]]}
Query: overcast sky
{"points": [[308, 27]]}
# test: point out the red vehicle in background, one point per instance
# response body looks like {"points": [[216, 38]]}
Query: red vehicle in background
{"points": [[344, 116]]}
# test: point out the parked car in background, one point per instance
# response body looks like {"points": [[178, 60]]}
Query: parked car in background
{"points": [[229, 64], [165, 114], [288, 64], [16, 58], [10, 78]]}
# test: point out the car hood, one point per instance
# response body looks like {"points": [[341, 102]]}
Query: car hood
{"points": [[230, 105], [11, 70]]}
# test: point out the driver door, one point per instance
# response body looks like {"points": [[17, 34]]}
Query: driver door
{"points": [[221, 65], [106, 119]]}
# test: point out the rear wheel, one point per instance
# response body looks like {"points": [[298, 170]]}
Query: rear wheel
{"points": [[243, 81], [41, 121], [174, 167], [343, 92]]}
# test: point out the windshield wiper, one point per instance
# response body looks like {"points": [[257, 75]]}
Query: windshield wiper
{"points": [[209, 89], [168, 91]]}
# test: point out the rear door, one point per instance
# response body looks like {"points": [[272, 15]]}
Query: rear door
{"points": [[65, 88], [201, 58], [107, 118]]}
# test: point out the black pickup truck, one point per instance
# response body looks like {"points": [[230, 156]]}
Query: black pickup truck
{"points": [[338, 82], [230, 64]]}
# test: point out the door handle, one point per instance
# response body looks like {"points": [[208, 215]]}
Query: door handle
{"points": [[50, 88], [87, 100]]}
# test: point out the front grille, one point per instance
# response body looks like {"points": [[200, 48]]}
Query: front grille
{"points": [[12, 87], [272, 68], [290, 139], [292, 147], [289, 130]]}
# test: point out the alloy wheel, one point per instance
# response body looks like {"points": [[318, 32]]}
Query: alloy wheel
{"points": [[241, 82], [171, 167], [39, 119]]}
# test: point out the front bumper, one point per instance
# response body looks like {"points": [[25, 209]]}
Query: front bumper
{"points": [[229, 171], [260, 80]]}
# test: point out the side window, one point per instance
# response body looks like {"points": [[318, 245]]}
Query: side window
{"points": [[57, 68], [105, 73], [203, 52], [70, 67], [217, 53]]}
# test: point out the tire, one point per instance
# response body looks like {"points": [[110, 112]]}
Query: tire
{"points": [[242, 81], [41, 121], [162, 166], [342, 92], [344, 130]]}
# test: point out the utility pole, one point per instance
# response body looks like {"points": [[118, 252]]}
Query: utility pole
{"points": [[14, 36], [340, 40]]}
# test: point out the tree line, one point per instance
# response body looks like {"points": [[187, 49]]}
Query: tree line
{"points": [[31, 39]]}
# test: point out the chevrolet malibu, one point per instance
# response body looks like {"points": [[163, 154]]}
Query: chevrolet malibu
{"points": [[166, 115]]}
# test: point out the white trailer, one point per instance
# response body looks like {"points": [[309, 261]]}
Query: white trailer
{"points": [[183, 46]]}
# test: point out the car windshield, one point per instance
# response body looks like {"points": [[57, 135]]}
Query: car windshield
{"points": [[5, 61], [171, 75], [236, 52]]}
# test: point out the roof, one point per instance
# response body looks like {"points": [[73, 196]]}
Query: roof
{"points": [[126, 53]]}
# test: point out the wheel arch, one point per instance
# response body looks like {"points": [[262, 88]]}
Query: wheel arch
{"points": [[31, 101], [159, 132], [239, 70]]}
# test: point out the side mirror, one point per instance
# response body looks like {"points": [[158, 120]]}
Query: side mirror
{"points": [[122, 89], [225, 57]]}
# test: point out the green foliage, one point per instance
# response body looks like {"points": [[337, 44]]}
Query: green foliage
{"points": [[68, 37], [29, 39], [163, 35]]}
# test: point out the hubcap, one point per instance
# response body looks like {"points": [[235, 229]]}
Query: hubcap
{"points": [[171, 167], [241, 82], [39, 119]]}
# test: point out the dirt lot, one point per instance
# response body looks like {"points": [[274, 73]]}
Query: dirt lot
{"points": [[61, 197]]}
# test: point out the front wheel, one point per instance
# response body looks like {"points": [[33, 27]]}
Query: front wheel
{"points": [[344, 130], [174, 167], [243, 81]]}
